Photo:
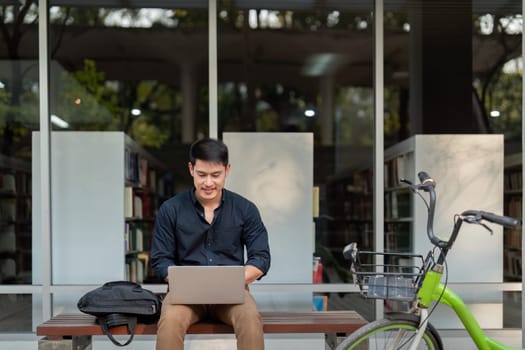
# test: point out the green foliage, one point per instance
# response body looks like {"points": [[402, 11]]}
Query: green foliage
{"points": [[505, 97], [354, 116], [85, 102], [147, 134], [89, 102]]}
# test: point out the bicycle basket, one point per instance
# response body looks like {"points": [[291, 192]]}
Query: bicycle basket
{"points": [[398, 278]]}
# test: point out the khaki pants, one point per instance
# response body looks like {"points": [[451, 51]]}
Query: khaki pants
{"points": [[245, 319]]}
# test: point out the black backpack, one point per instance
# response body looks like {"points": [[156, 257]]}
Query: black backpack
{"points": [[121, 303]]}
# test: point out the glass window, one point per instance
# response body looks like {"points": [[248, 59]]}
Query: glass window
{"points": [[19, 116], [294, 68], [462, 79], [17, 312], [128, 93]]}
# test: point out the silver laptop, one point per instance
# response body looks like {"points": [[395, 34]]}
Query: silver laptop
{"points": [[206, 284]]}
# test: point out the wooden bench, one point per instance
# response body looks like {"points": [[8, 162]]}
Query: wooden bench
{"points": [[75, 331]]}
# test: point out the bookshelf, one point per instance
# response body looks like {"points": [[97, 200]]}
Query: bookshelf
{"points": [[398, 200], [467, 169], [348, 217], [15, 220], [512, 238], [146, 187], [95, 238]]}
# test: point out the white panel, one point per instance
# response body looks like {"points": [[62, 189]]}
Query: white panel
{"points": [[87, 189], [275, 171], [468, 170]]}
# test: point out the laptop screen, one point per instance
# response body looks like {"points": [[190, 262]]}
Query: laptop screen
{"points": [[206, 284]]}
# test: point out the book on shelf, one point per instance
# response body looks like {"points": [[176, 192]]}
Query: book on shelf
{"points": [[143, 171], [513, 180], [128, 202], [397, 236], [362, 181], [137, 206], [404, 201], [396, 169], [391, 243], [398, 204], [152, 180], [139, 170], [132, 203], [7, 183], [137, 236], [514, 207], [512, 264], [131, 161], [146, 205], [137, 267], [8, 239], [8, 209], [134, 237]]}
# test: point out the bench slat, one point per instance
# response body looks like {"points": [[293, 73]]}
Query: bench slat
{"points": [[67, 325]]}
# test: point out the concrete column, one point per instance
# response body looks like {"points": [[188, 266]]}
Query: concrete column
{"points": [[189, 102], [327, 110], [441, 69]]}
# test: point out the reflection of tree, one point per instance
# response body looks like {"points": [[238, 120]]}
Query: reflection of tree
{"points": [[499, 90], [14, 23], [89, 102], [243, 105]]}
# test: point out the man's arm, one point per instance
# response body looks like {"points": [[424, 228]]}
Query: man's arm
{"points": [[251, 273], [163, 243], [257, 247]]}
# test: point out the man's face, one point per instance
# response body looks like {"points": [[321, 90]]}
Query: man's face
{"points": [[209, 179]]}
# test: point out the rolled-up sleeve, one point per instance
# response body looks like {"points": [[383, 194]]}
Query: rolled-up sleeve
{"points": [[256, 240], [163, 244]]}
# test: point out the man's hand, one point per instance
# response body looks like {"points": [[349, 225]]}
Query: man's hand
{"points": [[251, 273]]}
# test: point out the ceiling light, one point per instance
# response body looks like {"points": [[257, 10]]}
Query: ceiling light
{"points": [[59, 121], [309, 113]]}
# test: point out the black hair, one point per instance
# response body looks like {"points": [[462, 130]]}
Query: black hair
{"points": [[209, 150]]}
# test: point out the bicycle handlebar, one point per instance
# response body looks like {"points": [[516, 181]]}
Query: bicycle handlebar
{"points": [[425, 179], [502, 220], [428, 184]]}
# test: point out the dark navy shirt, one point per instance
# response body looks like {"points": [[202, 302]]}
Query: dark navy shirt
{"points": [[182, 236]]}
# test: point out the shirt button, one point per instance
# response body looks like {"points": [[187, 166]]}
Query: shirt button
{"points": [[210, 260]]}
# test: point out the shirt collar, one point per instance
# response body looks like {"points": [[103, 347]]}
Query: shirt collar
{"points": [[196, 202]]}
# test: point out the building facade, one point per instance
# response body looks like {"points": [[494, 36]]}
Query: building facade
{"points": [[100, 100]]}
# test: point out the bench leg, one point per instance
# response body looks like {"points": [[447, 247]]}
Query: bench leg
{"points": [[331, 340], [75, 343]]}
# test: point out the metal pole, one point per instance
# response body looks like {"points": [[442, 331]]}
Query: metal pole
{"points": [[45, 158], [212, 67], [522, 162], [378, 139]]}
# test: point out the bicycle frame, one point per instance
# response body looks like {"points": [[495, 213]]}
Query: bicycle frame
{"points": [[430, 288], [433, 290]]}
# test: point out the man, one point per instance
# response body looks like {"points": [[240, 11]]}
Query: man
{"points": [[210, 225]]}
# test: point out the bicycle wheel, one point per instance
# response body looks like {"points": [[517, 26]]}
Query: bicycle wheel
{"points": [[395, 332]]}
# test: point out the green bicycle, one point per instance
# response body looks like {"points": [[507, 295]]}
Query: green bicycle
{"points": [[415, 281]]}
